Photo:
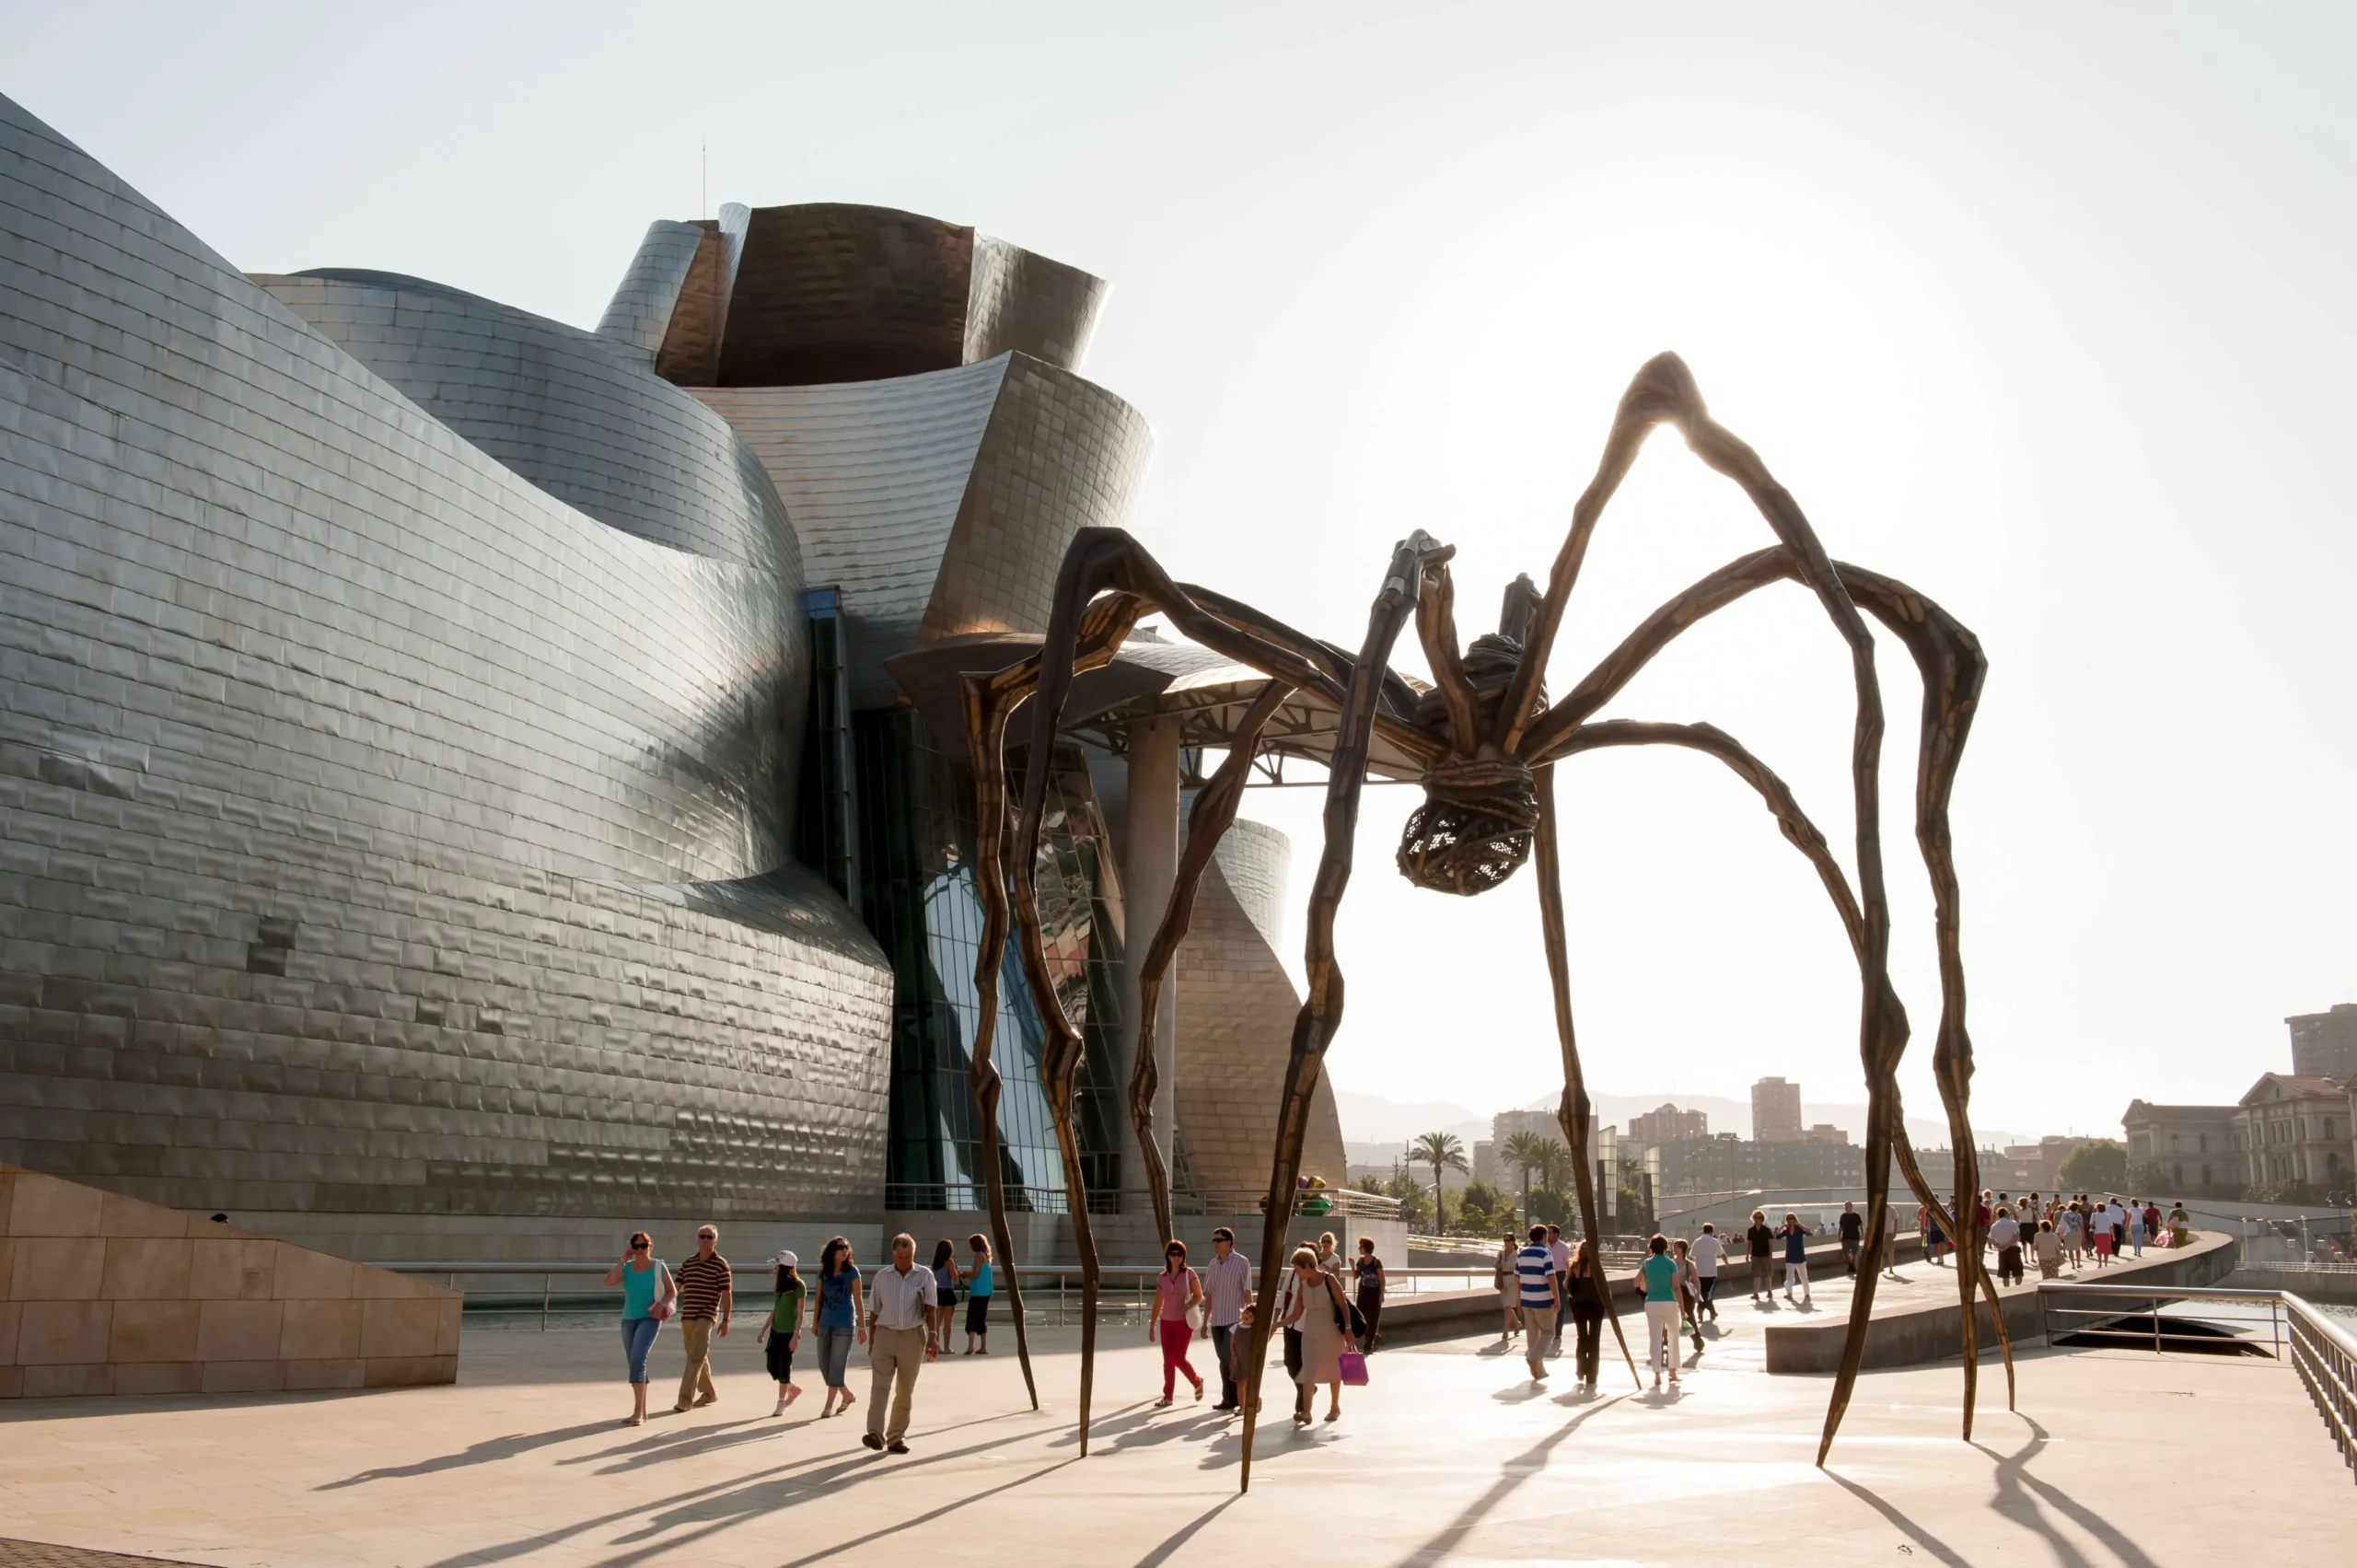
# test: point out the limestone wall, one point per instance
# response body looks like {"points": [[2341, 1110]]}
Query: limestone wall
{"points": [[100, 1294]]}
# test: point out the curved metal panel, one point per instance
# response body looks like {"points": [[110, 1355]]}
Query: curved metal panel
{"points": [[378, 833], [640, 312]]}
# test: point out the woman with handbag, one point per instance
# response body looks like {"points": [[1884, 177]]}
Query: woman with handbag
{"points": [[1509, 1287], [1323, 1316], [648, 1296], [1177, 1310]]}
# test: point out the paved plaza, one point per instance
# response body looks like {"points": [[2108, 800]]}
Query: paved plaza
{"points": [[1452, 1455]]}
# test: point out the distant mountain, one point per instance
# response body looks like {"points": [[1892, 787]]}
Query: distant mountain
{"points": [[1371, 1119]]}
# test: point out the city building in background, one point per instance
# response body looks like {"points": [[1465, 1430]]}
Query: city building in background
{"points": [[2324, 1045], [477, 785], [2195, 1147], [1775, 1111], [1668, 1124], [2293, 1129]]}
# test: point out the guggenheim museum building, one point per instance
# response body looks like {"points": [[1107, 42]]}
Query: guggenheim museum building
{"points": [[471, 787]]}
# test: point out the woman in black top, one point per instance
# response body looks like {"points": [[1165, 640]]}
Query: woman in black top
{"points": [[1585, 1286], [1369, 1269]]}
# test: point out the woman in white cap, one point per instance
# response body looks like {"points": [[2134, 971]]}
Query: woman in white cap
{"points": [[784, 1331]]}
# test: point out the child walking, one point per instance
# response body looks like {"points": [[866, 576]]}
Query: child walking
{"points": [[782, 1335]]}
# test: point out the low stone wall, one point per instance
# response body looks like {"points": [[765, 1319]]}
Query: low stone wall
{"points": [[1443, 1313], [102, 1294], [1934, 1332]]}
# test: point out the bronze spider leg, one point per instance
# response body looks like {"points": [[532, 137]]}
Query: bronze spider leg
{"points": [[1097, 561], [988, 699], [1572, 1113], [1213, 815], [1322, 1007], [1664, 392], [1953, 668], [1803, 835]]}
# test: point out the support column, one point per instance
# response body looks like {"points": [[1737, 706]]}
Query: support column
{"points": [[1150, 866]]}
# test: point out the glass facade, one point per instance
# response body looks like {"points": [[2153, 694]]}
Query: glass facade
{"points": [[916, 857]]}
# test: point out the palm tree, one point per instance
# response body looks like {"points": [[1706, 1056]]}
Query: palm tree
{"points": [[1527, 1152], [1442, 1151]]}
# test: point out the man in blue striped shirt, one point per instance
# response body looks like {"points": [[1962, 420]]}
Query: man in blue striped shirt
{"points": [[1541, 1295]]}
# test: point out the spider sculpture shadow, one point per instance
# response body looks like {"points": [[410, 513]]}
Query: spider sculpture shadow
{"points": [[1490, 743]]}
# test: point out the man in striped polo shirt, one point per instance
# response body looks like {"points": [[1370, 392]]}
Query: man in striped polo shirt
{"points": [[1542, 1297], [705, 1295]]}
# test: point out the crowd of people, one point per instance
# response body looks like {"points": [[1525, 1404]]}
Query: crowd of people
{"points": [[2059, 1231], [1328, 1304], [1328, 1307]]}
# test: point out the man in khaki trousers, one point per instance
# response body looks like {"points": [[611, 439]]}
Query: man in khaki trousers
{"points": [[706, 1299], [898, 1300]]}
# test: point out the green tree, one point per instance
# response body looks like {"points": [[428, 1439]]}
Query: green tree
{"points": [[1485, 1208], [2099, 1169], [1527, 1152], [1443, 1152]]}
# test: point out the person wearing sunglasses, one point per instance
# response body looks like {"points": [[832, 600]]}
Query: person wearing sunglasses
{"points": [[647, 1295]]}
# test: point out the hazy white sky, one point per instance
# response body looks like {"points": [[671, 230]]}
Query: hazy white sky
{"points": [[2047, 311]]}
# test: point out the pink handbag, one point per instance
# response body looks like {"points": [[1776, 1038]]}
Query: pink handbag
{"points": [[1354, 1364]]}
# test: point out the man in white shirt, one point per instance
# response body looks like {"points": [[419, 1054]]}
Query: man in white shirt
{"points": [[1227, 1285], [2005, 1235], [1706, 1250], [897, 1302]]}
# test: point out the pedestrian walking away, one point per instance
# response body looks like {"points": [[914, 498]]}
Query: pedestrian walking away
{"points": [[1323, 1315], [1560, 1255], [706, 1301], [2100, 1234], [2047, 1246], [782, 1335], [1178, 1308], [1370, 1293], [1689, 1299], [1509, 1287], [1587, 1284], [1795, 1258], [840, 1322], [980, 1287], [1762, 1243], [945, 1298], [1660, 1277], [899, 1306], [1707, 1250], [1541, 1296], [2005, 1235], [1227, 1287], [648, 1294], [1852, 1226]]}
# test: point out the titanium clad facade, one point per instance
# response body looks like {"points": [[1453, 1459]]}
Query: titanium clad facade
{"points": [[380, 834], [942, 503], [1236, 1006]]}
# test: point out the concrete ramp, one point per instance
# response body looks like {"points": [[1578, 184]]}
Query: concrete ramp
{"points": [[102, 1294]]}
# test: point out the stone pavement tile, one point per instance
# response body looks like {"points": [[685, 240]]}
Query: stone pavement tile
{"points": [[1451, 1454]]}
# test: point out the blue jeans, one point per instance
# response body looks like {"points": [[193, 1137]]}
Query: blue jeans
{"points": [[834, 1351], [1229, 1341], [638, 1338]]}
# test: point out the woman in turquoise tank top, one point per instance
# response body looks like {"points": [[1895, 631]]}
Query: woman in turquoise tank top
{"points": [[647, 1295]]}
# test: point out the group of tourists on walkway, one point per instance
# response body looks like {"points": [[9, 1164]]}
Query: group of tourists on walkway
{"points": [[1328, 1309], [904, 1318], [2058, 1231]]}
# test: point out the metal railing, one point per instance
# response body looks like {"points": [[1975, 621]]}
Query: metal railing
{"points": [[2320, 1351], [966, 1197], [1053, 1296]]}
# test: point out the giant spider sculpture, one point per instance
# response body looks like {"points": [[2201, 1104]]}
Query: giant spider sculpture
{"points": [[1489, 743]]}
